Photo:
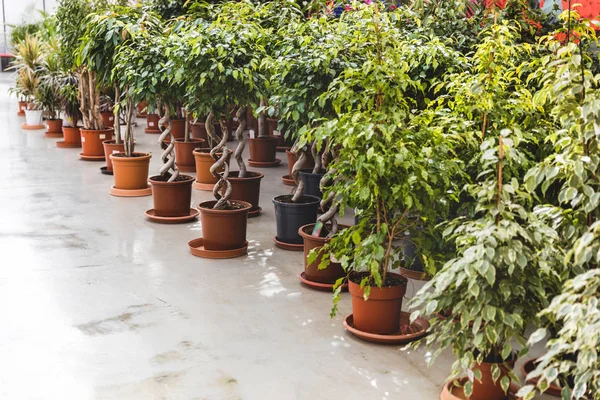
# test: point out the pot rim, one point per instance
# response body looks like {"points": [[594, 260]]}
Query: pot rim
{"points": [[146, 156], [305, 171], [105, 130], [379, 293], [315, 198], [257, 176], [203, 208], [190, 180], [206, 152], [319, 238], [265, 138], [190, 140]]}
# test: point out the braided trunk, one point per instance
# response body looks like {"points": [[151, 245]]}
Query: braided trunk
{"points": [[239, 134], [222, 189], [328, 203], [301, 160], [168, 154]]}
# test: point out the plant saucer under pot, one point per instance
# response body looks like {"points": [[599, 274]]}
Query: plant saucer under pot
{"points": [[172, 200], [224, 231], [291, 216]]}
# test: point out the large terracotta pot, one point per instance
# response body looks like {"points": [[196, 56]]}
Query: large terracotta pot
{"points": [[203, 163], [178, 128], [22, 108], [172, 199], [72, 136], [111, 147], [246, 189], [152, 123], [380, 314], [334, 270], [54, 127], [291, 157], [109, 119], [224, 229], [91, 141], [184, 154], [131, 173], [263, 149]]}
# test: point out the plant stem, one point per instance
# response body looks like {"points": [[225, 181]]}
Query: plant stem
{"points": [[116, 124], [239, 134], [262, 120], [499, 176], [186, 137], [222, 189]]}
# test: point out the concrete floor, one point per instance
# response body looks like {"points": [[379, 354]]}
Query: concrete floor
{"points": [[96, 302]]}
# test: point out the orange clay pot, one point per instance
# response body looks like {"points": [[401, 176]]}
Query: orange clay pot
{"points": [[91, 141], [131, 173]]}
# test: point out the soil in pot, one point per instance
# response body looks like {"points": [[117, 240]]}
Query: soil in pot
{"points": [[111, 147], [334, 270], [54, 127], [246, 189], [91, 141], [184, 153], [312, 182], [203, 163], [131, 173], [290, 216], [309, 162], [263, 149], [379, 314], [224, 229], [172, 199], [109, 119]]}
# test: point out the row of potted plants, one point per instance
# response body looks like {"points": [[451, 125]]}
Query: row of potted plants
{"points": [[464, 139]]}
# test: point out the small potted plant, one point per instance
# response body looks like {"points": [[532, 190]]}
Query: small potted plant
{"points": [[70, 106], [29, 57], [52, 79]]}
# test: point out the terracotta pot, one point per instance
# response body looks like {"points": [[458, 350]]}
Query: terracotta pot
{"points": [[198, 131], [334, 270], [152, 122], [251, 121], [271, 125], [453, 391], [184, 153], [111, 147], [381, 312], [22, 108], [246, 189], [487, 389], [178, 128], [203, 164], [291, 157], [91, 141], [224, 229], [72, 135], [108, 118], [141, 112], [54, 126], [263, 149], [172, 199], [131, 173]]}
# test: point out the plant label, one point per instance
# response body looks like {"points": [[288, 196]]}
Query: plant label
{"points": [[115, 151], [111, 118], [83, 139], [102, 136], [150, 123], [251, 133]]}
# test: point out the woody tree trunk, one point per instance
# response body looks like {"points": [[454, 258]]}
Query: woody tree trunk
{"points": [[168, 154], [222, 189], [239, 134]]}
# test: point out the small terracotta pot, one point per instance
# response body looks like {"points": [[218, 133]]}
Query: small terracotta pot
{"points": [[203, 163], [178, 128], [487, 389], [109, 119], [91, 141], [291, 157], [198, 131], [246, 189], [381, 312], [453, 391], [172, 199], [251, 121], [22, 108], [184, 153], [271, 125], [263, 149], [141, 109], [131, 173], [224, 229], [54, 126], [334, 270], [152, 123], [72, 135], [111, 147]]}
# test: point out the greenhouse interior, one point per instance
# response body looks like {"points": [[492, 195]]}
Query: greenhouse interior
{"points": [[295, 199]]}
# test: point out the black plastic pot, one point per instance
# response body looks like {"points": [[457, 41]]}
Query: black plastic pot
{"points": [[312, 182], [291, 216]]}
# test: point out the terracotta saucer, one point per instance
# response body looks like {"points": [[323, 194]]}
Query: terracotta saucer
{"points": [[287, 180], [264, 164], [91, 158], [172, 220], [152, 131], [32, 127], [452, 391], [553, 389], [288, 246], [53, 134], [254, 213], [389, 339], [131, 192], [283, 149], [106, 171], [66, 145], [186, 168], [326, 287], [203, 186], [197, 249]]}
